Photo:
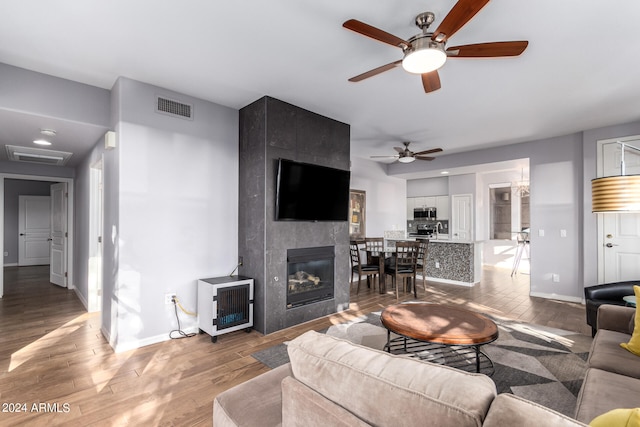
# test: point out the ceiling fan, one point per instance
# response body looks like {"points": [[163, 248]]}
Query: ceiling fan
{"points": [[425, 53], [407, 156]]}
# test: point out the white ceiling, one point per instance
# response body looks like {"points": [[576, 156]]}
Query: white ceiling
{"points": [[579, 72]]}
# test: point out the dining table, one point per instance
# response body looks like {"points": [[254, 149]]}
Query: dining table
{"points": [[373, 256]]}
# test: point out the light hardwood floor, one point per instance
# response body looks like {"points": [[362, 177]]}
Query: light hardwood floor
{"points": [[52, 352]]}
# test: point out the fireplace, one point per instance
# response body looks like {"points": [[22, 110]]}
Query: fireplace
{"points": [[309, 275]]}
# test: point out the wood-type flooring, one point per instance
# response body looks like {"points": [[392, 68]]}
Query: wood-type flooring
{"points": [[56, 368]]}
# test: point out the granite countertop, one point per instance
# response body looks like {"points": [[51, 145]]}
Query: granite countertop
{"points": [[466, 242], [439, 240]]}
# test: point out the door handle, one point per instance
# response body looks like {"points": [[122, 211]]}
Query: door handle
{"points": [[610, 245], [22, 234]]}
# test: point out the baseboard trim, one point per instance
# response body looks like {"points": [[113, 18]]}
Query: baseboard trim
{"points": [[81, 298], [451, 282], [557, 297], [135, 344]]}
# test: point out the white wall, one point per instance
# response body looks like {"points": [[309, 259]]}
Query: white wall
{"points": [[386, 196], [171, 211], [428, 187]]}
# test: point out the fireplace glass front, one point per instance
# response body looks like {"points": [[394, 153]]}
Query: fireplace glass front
{"points": [[310, 275]]}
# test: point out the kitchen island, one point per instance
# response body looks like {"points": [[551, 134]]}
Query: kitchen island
{"points": [[458, 262]]}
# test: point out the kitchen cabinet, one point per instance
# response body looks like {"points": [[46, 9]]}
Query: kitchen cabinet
{"points": [[410, 206], [442, 206], [427, 202]]}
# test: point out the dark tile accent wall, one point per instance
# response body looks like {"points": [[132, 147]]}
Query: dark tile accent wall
{"points": [[271, 129]]}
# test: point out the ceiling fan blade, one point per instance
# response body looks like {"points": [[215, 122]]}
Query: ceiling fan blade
{"points": [[431, 81], [374, 33], [424, 157], [375, 71], [488, 50], [384, 157], [459, 15], [399, 150], [433, 150]]}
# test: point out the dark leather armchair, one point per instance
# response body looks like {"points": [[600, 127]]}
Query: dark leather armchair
{"points": [[608, 293]]}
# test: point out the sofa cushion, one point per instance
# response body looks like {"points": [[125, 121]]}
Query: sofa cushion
{"points": [[633, 345], [603, 391], [606, 354], [623, 417], [303, 407], [387, 390], [262, 395], [510, 410]]}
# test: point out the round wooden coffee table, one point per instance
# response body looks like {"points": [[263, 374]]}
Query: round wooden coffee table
{"points": [[453, 334]]}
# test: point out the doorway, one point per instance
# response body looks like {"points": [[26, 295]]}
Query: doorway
{"points": [[618, 234], [68, 197]]}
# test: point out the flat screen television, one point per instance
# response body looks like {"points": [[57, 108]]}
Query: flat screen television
{"points": [[306, 192]]}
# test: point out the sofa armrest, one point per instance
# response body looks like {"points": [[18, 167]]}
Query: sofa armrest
{"points": [[256, 402], [616, 318], [610, 291], [510, 410]]}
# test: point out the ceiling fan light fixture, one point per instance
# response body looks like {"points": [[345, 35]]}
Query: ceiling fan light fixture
{"points": [[424, 56], [406, 159]]}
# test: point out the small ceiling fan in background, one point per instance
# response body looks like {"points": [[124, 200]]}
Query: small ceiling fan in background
{"points": [[407, 156], [425, 53]]}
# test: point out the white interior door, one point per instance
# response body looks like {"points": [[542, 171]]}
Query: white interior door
{"points": [[58, 269], [619, 236], [461, 218], [34, 229]]}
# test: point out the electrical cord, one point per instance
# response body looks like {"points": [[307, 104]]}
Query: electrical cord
{"points": [[185, 311], [179, 331]]}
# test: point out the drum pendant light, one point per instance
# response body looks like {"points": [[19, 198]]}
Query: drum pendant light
{"points": [[616, 194]]}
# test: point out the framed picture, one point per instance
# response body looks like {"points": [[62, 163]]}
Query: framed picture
{"points": [[357, 208]]}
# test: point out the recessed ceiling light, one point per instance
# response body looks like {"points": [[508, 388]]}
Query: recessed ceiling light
{"points": [[444, 173], [48, 132], [41, 142]]}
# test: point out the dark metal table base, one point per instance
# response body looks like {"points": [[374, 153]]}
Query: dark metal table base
{"points": [[467, 358]]}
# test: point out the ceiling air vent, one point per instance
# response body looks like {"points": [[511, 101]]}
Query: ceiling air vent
{"points": [[174, 108], [37, 155]]}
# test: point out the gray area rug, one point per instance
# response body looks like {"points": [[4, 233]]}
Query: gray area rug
{"points": [[544, 365]]}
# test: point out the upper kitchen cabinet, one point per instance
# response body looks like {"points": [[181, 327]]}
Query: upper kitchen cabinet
{"points": [[442, 206]]}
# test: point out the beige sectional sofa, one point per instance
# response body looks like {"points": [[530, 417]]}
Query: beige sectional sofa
{"points": [[333, 382], [613, 376]]}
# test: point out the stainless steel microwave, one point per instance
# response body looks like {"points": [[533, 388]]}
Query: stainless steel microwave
{"points": [[424, 213]]}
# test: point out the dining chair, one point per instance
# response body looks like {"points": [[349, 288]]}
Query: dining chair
{"points": [[360, 268], [375, 249], [403, 266], [421, 261]]}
